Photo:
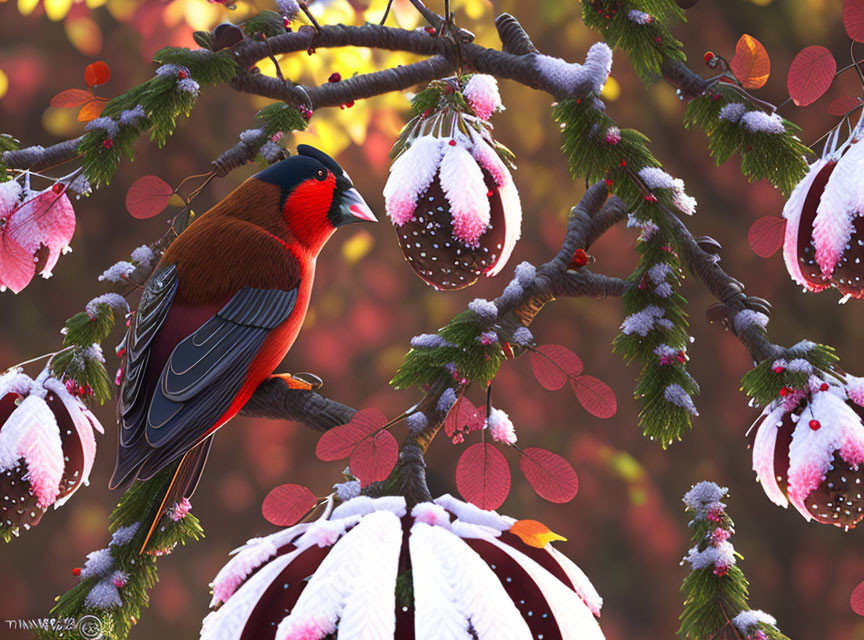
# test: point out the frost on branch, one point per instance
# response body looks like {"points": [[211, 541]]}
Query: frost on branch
{"points": [[47, 447], [591, 75], [461, 583]]}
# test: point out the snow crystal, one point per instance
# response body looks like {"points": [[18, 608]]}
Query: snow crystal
{"points": [[430, 341], [525, 273], [684, 203], [643, 321], [855, 389], [656, 178], [106, 124], [483, 308], [143, 255], [487, 337], [513, 292], [10, 195], [676, 395], [270, 151], [639, 17], [347, 490], [364, 505], [723, 555], [430, 513], [103, 595], [251, 137], [94, 352], [113, 300], [188, 85], [659, 272], [733, 111], [124, 535], [288, 8], [761, 122], [417, 422], [447, 400], [575, 77], [81, 185], [802, 347], [800, 365], [410, 175], [704, 495], [465, 188], [647, 227], [98, 563], [132, 116], [481, 92], [501, 427], [472, 514], [167, 70], [664, 290], [747, 619], [747, 318], [523, 337], [117, 272]]}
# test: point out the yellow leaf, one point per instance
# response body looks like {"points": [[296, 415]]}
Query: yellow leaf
{"points": [[751, 63], [534, 534], [357, 246], [176, 201], [4, 83], [25, 7], [57, 9]]}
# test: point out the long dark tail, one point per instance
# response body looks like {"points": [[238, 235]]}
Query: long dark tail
{"points": [[182, 484]]}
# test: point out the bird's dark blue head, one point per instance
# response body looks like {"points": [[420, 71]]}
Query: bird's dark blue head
{"points": [[316, 193]]}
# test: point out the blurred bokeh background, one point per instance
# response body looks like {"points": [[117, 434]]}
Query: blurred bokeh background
{"points": [[626, 528]]}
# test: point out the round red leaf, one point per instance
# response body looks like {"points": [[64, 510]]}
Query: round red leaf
{"points": [[552, 364], [853, 19], [766, 235], [148, 196], [340, 442], [857, 599], [463, 414], [374, 458], [483, 476], [550, 475], [843, 105], [595, 396], [751, 63], [71, 98], [287, 503], [97, 73], [810, 75]]}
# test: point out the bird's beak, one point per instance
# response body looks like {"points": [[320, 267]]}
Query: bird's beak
{"points": [[352, 208]]}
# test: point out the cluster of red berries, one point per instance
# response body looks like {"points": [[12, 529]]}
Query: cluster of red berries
{"points": [[78, 390], [580, 259], [108, 143], [305, 111]]}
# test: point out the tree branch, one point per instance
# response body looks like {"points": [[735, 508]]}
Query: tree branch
{"points": [[274, 399], [37, 158]]}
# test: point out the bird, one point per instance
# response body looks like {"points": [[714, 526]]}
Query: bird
{"points": [[218, 314]]}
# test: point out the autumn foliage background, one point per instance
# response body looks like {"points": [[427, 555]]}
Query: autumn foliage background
{"points": [[626, 527]]}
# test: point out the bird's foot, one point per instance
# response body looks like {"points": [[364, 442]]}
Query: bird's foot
{"points": [[301, 381]]}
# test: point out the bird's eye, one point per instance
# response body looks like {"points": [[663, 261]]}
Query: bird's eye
{"points": [[320, 174]]}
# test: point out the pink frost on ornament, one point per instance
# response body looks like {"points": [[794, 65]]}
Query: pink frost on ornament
{"points": [[304, 631], [482, 95]]}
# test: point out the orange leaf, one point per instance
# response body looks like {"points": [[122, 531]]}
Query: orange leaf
{"points": [[91, 110], [534, 534], [750, 64], [71, 98], [97, 73]]}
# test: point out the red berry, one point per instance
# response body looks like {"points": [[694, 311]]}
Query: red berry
{"points": [[76, 571], [779, 369], [107, 143], [709, 56], [452, 143], [815, 425], [623, 163], [57, 188], [286, 23], [182, 74], [578, 100], [608, 182], [784, 391], [823, 386], [580, 258], [490, 193], [659, 39], [431, 31], [650, 198], [349, 104], [335, 77]]}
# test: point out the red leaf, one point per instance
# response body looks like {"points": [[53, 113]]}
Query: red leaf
{"points": [[856, 600], [148, 196], [91, 110], [853, 19], [595, 396], [16, 264], [550, 475], [287, 503], [483, 476], [751, 63], [71, 98], [766, 235], [810, 75], [374, 458], [97, 73], [340, 442], [552, 363], [843, 105], [463, 414]]}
